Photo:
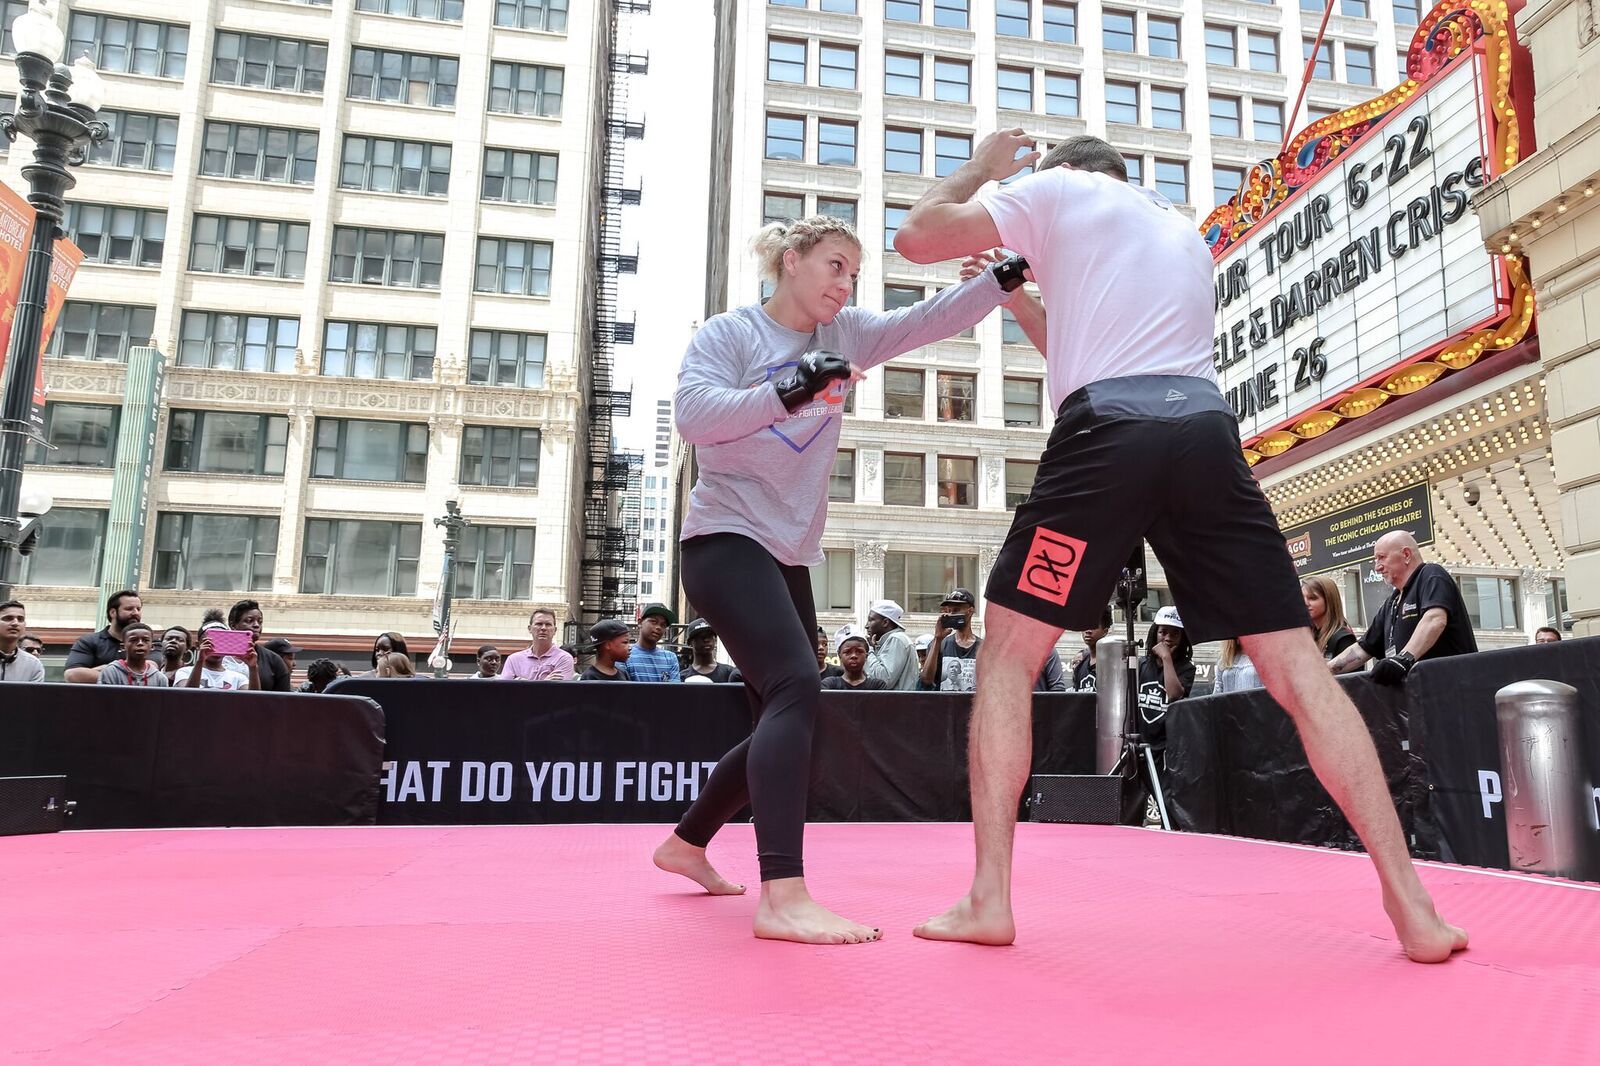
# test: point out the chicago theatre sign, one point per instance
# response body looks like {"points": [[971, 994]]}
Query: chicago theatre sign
{"points": [[1350, 269]]}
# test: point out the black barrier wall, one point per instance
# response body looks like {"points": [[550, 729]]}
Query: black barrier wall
{"points": [[159, 758], [1237, 765], [474, 752]]}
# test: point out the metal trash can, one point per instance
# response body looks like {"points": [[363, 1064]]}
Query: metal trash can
{"points": [[1543, 777]]}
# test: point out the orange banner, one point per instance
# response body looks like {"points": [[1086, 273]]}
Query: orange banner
{"points": [[16, 225]]}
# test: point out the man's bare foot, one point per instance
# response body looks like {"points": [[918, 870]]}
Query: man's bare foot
{"points": [[1424, 935], [991, 924], [787, 912], [678, 856]]}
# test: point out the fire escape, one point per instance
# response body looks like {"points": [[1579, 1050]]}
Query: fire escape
{"points": [[608, 582]]}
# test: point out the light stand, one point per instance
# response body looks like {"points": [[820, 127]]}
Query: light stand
{"points": [[453, 524], [1132, 588]]}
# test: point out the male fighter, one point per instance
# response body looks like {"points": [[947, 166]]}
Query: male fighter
{"points": [[1144, 445]]}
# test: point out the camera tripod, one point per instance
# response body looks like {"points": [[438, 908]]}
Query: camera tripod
{"points": [[1137, 753]]}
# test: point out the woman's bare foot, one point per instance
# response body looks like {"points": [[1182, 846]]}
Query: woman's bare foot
{"points": [[678, 856], [787, 912], [991, 924], [1424, 935]]}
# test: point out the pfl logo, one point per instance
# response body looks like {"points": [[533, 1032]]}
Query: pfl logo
{"points": [[1490, 793]]}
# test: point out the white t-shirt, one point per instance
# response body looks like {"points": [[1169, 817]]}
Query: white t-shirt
{"points": [[1125, 277], [230, 680]]}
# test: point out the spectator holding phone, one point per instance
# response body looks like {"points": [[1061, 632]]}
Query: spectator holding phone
{"points": [[952, 662], [216, 641]]}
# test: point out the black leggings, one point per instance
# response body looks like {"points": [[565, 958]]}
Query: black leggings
{"points": [[764, 614]]}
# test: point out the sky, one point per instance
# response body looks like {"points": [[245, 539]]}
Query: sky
{"points": [[672, 164]]}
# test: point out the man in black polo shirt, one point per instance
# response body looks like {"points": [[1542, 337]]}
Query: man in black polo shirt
{"points": [[1425, 617], [93, 650]]}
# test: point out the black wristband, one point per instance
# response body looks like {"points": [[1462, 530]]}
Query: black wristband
{"points": [[1008, 272]]}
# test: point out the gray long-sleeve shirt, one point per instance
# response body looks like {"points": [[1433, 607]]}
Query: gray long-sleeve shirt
{"points": [[893, 659], [764, 471]]}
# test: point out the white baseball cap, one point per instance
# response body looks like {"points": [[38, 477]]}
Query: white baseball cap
{"points": [[925, 642], [1168, 616], [889, 609], [849, 632]]}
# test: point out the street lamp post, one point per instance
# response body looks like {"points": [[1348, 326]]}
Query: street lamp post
{"points": [[453, 524], [63, 128]]}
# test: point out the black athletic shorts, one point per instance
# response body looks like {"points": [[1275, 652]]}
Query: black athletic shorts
{"points": [[1154, 457]]}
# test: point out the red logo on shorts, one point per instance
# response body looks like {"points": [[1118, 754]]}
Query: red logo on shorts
{"points": [[1051, 566]]}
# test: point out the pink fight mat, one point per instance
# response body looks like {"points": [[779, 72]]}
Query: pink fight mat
{"points": [[561, 944]]}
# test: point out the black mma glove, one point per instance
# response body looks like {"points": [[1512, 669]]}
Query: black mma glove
{"points": [[1008, 272], [1393, 670], [817, 370]]}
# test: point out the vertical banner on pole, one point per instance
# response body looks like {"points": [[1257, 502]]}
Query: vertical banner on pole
{"points": [[64, 262], [16, 221], [130, 487]]}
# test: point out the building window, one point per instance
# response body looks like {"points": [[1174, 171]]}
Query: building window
{"points": [[1358, 65], [1061, 23], [950, 150], [71, 545], [1356, 9], [958, 482], [1060, 94], [351, 558], [101, 331], [1225, 181], [1024, 401], [350, 449], [77, 434], [525, 89], [259, 247], [514, 268], [1556, 605], [1166, 108], [137, 141], [1225, 119], [1010, 329], [838, 7], [1011, 17], [786, 60], [378, 350], [781, 207], [392, 258], [1263, 51], [215, 552], [836, 143], [1135, 168], [1015, 88], [415, 78], [260, 62], [126, 46], [1118, 27], [227, 442], [379, 165], [519, 177], [952, 80], [1163, 35], [1172, 180], [1407, 12], [902, 74], [902, 10], [260, 153], [1267, 120], [1222, 46], [902, 151], [920, 581], [842, 482], [950, 13], [902, 394], [547, 15], [893, 216], [1019, 481], [1324, 66], [438, 10], [494, 563], [896, 297], [1122, 102], [833, 582], [128, 236], [843, 210], [514, 360], [1317, 114], [499, 456], [836, 66], [902, 480], [1491, 601], [223, 341], [786, 137], [957, 397]]}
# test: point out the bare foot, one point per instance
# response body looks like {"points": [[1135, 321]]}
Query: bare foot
{"points": [[805, 921], [678, 856], [1424, 935], [990, 924]]}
